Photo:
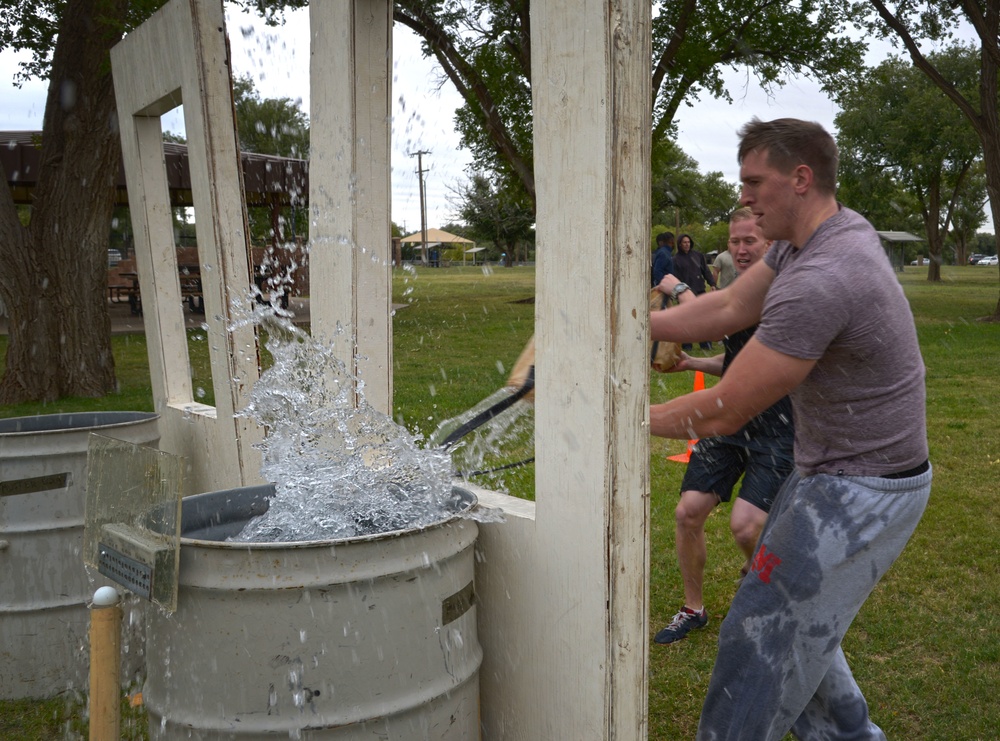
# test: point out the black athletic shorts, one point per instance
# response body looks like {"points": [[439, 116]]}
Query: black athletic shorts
{"points": [[718, 462]]}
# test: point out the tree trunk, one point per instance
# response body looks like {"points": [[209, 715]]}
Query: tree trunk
{"points": [[991, 156], [55, 275], [932, 222], [961, 258], [988, 134]]}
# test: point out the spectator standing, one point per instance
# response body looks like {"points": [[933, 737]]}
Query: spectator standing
{"points": [[723, 269], [760, 452], [691, 268], [836, 333], [663, 260]]}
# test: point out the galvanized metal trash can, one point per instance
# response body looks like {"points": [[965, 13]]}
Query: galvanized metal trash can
{"points": [[370, 637], [43, 584]]}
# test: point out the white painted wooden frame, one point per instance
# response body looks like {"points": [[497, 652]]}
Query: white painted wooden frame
{"points": [[349, 187], [562, 585], [567, 652], [180, 56]]}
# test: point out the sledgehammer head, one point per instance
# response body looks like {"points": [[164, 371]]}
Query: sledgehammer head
{"points": [[662, 355]]}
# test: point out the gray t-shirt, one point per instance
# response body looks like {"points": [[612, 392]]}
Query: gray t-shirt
{"points": [[862, 409], [727, 271]]}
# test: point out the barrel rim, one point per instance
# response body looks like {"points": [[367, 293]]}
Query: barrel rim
{"points": [[466, 503], [61, 422]]}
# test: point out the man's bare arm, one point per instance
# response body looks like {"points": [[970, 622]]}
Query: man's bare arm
{"points": [[715, 314], [711, 365], [757, 378]]}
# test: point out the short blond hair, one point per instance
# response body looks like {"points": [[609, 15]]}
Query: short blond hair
{"points": [[742, 214]]}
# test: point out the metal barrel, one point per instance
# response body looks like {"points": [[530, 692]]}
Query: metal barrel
{"points": [[371, 637], [43, 584]]}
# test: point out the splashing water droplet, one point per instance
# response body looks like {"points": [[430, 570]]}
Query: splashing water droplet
{"points": [[339, 470]]}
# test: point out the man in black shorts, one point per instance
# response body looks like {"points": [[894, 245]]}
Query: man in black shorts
{"points": [[761, 452]]}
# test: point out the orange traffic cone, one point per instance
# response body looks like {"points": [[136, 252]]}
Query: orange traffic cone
{"points": [[699, 385]]}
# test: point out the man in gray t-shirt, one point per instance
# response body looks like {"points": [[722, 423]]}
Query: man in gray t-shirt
{"points": [[836, 301], [723, 269], [836, 334]]}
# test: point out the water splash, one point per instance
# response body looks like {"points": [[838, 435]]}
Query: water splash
{"points": [[483, 440], [341, 468]]}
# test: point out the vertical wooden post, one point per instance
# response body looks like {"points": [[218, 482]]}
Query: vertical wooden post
{"points": [[180, 55], [592, 108], [105, 661], [349, 187]]}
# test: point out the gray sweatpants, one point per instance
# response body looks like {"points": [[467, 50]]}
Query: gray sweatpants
{"points": [[826, 544]]}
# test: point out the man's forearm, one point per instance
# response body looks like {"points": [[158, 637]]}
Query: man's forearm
{"points": [[692, 416], [692, 320], [715, 314]]}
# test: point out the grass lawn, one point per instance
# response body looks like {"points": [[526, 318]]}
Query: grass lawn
{"points": [[924, 648], [926, 645]]}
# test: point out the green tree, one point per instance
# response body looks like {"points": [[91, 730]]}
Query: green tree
{"points": [[899, 128], [909, 22], [983, 244], [681, 194], [968, 213], [279, 127], [718, 199], [496, 214], [483, 47], [55, 267], [275, 126], [876, 194]]}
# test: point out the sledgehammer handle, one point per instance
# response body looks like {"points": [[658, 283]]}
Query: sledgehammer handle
{"points": [[487, 414], [105, 650]]}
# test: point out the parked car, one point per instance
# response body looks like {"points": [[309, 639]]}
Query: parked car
{"points": [[921, 261], [991, 260], [975, 257]]}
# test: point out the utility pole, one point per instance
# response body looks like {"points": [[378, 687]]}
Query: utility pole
{"points": [[423, 205]]}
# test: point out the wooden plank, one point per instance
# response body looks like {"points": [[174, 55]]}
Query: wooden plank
{"points": [[591, 126], [180, 56], [223, 239], [349, 260]]}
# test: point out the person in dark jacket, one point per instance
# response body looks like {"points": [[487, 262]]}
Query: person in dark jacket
{"points": [[663, 261], [691, 268]]}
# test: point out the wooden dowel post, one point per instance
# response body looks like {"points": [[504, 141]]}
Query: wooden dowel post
{"points": [[105, 660]]}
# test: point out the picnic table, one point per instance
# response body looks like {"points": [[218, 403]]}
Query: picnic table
{"points": [[190, 279], [123, 283], [271, 272]]}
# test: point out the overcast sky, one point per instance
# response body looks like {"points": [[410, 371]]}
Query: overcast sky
{"points": [[278, 61]]}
